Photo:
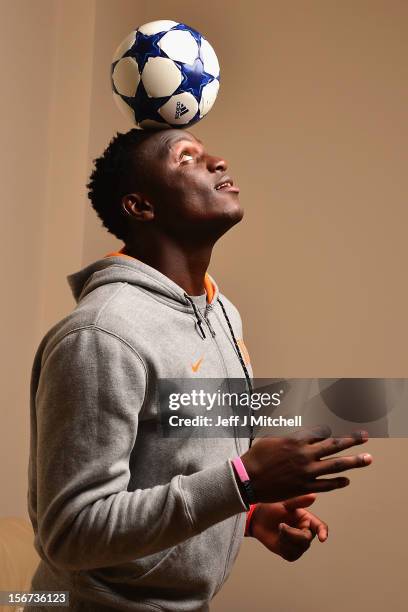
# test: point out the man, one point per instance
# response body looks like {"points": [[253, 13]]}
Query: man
{"points": [[126, 518]]}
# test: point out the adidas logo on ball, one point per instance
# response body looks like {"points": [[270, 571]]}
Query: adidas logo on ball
{"points": [[180, 110]]}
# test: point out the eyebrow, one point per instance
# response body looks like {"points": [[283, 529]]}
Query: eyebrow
{"points": [[167, 146]]}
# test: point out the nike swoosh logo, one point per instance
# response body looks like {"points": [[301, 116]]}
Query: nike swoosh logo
{"points": [[195, 366]]}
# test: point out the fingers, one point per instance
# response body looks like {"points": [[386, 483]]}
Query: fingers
{"points": [[340, 464], [302, 501], [330, 446], [305, 519], [318, 527], [312, 434], [322, 485]]}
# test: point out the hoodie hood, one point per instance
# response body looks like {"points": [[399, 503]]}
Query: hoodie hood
{"points": [[117, 267]]}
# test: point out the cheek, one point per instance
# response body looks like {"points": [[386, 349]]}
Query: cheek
{"points": [[190, 198], [186, 194], [199, 203]]}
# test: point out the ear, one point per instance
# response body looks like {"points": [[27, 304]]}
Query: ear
{"points": [[137, 206]]}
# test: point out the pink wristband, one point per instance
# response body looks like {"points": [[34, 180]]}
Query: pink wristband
{"points": [[245, 481], [240, 467]]}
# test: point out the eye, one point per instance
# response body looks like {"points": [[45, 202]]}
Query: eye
{"points": [[185, 153]]}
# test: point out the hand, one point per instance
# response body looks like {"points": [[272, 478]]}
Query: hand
{"points": [[282, 468], [286, 528]]}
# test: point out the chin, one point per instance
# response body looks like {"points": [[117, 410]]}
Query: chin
{"points": [[227, 218], [234, 212]]}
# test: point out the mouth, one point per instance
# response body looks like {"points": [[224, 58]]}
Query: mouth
{"points": [[226, 184]]}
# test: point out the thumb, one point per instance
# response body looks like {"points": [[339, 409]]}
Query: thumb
{"points": [[294, 535]]}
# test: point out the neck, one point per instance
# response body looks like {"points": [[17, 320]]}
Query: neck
{"points": [[183, 264]]}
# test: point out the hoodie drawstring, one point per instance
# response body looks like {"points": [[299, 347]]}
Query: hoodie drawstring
{"points": [[248, 378], [199, 324]]}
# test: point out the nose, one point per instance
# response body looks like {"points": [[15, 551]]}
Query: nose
{"points": [[215, 163]]}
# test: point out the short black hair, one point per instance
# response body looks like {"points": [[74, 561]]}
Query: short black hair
{"points": [[115, 174]]}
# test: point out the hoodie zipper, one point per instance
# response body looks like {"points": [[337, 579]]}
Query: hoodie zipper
{"points": [[207, 320], [208, 308], [199, 316]]}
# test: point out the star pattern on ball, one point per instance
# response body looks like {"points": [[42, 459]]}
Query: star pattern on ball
{"points": [[145, 47], [145, 107], [194, 78]]}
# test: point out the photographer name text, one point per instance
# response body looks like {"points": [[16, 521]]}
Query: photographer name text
{"points": [[234, 421]]}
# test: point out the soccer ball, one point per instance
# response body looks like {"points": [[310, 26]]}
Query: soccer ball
{"points": [[165, 74]]}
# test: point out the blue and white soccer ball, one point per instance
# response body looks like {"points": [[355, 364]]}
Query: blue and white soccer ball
{"points": [[165, 74]]}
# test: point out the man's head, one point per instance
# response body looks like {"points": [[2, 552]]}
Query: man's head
{"points": [[162, 182]]}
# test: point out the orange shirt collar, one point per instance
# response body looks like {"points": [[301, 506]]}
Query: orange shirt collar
{"points": [[208, 285]]}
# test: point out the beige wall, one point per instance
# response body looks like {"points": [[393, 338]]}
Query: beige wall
{"points": [[46, 60], [26, 56], [312, 119]]}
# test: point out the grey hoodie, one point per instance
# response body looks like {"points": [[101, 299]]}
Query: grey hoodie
{"points": [[124, 518]]}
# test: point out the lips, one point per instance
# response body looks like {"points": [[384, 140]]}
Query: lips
{"points": [[226, 184]]}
